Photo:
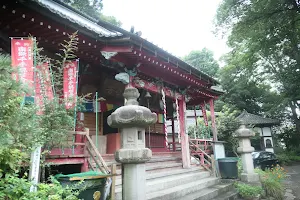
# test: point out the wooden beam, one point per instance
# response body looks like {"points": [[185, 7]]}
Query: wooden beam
{"points": [[123, 59], [152, 87], [213, 119], [170, 69], [64, 161], [119, 49]]}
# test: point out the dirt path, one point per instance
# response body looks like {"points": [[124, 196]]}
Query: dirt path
{"points": [[293, 182]]}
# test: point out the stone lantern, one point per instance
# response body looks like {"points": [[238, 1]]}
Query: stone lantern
{"points": [[132, 120], [245, 149]]}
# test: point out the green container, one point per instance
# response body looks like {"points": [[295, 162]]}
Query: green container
{"points": [[93, 183], [228, 167]]}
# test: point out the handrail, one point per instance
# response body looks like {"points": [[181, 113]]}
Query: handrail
{"points": [[92, 150], [209, 163], [98, 155]]}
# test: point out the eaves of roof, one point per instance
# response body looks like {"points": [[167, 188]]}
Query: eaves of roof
{"points": [[112, 32], [141, 42], [74, 16], [251, 119]]}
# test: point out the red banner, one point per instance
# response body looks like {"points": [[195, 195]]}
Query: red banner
{"points": [[202, 105], [70, 84], [22, 61], [43, 86]]}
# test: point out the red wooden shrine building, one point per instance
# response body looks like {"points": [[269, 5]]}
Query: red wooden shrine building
{"points": [[104, 51]]}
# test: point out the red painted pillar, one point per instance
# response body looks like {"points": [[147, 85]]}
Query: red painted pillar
{"points": [[173, 134], [195, 113], [213, 120], [185, 148]]}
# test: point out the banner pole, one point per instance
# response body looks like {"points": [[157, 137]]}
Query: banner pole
{"points": [[75, 106], [36, 154], [52, 84], [97, 120]]}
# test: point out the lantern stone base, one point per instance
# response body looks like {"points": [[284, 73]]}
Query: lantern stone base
{"points": [[133, 155], [133, 181], [250, 178]]}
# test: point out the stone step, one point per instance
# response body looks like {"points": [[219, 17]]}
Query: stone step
{"points": [[182, 190], [108, 157], [230, 195], [157, 184], [220, 191], [153, 160], [161, 168], [156, 161], [153, 167]]}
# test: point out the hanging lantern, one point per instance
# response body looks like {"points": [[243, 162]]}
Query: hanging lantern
{"points": [[148, 95]]}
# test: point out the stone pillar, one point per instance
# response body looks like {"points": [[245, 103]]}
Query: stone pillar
{"points": [[245, 149], [219, 152], [132, 120], [219, 149]]}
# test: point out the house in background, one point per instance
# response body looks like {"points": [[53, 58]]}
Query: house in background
{"points": [[262, 126]]}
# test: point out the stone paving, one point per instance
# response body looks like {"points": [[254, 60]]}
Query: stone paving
{"points": [[292, 182]]}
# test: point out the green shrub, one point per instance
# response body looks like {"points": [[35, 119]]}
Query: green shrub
{"points": [[12, 188], [248, 191], [287, 158]]}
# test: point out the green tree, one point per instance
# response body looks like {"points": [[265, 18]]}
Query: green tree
{"points": [[227, 124], [93, 9], [266, 35], [245, 90], [203, 60]]}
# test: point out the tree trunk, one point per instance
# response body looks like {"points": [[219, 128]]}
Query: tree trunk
{"points": [[294, 116]]}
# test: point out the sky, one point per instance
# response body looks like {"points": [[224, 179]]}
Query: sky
{"points": [[174, 25]]}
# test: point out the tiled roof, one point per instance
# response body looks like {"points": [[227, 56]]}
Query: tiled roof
{"points": [[248, 118], [74, 16], [104, 29]]}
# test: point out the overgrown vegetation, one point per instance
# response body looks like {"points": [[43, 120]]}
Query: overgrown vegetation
{"points": [[227, 124], [22, 130], [272, 182]]}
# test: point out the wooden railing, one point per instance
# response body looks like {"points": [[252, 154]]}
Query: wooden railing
{"points": [[202, 156], [93, 153]]}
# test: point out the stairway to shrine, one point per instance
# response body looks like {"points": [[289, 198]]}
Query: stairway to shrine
{"points": [[167, 180]]}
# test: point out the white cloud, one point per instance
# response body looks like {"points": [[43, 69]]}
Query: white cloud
{"points": [[177, 26]]}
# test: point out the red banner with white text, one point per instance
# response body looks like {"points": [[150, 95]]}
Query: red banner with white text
{"points": [[70, 83], [22, 61], [43, 86], [202, 105]]}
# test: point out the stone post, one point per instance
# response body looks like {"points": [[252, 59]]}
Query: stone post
{"points": [[219, 152], [245, 149], [132, 120]]}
